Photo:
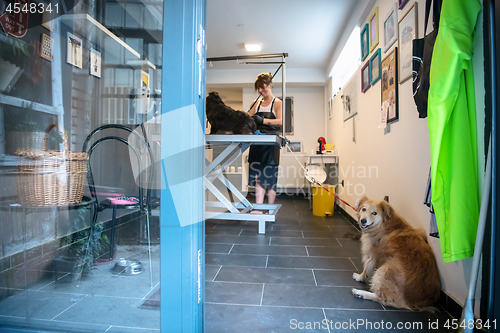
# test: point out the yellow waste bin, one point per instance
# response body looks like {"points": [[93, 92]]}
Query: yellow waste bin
{"points": [[323, 202]]}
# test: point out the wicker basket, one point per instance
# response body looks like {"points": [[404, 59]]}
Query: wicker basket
{"points": [[51, 178]]}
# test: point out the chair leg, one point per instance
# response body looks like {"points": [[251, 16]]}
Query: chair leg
{"points": [[149, 250], [112, 237]]}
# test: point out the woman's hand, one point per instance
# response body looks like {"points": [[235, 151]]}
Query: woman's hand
{"points": [[258, 120]]}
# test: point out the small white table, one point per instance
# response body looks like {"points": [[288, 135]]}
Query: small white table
{"points": [[236, 145], [322, 159]]}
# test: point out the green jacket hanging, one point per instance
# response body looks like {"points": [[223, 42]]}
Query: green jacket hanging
{"points": [[453, 130]]}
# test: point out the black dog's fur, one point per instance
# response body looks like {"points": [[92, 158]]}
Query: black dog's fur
{"points": [[224, 118]]}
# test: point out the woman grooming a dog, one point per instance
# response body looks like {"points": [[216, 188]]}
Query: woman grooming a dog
{"points": [[264, 160]]}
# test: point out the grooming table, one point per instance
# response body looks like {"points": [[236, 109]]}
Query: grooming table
{"points": [[224, 209]]}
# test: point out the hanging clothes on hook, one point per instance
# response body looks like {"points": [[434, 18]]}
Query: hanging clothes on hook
{"points": [[453, 130]]}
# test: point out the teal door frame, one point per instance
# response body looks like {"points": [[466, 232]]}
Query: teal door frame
{"points": [[182, 228]]}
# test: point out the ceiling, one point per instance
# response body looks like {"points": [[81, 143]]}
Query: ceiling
{"points": [[307, 30]]}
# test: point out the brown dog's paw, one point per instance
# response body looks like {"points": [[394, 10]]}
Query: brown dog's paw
{"points": [[358, 277], [356, 293]]}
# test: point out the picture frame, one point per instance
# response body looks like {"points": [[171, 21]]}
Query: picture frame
{"points": [[350, 97], [402, 3], [95, 63], [390, 26], [407, 32], [365, 77], [389, 85], [375, 70], [145, 80], [373, 34], [74, 51], [46, 47], [142, 101], [48, 20], [330, 102], [295, 146], [364, 37]]}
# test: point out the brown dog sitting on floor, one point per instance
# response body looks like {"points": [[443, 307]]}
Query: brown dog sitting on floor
{"points": [[398, 263], [224, 118]]}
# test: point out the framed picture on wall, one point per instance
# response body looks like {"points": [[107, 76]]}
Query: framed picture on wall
{"points": [[402, 3], [295, 147], [389, 80], [46, 47], [47, 20], [330, 103], [364, 42], [365, 77], [390, 26], [350, 97], [407, 31], [74, 51], [373, 21], [95, 63], [375, 71]]}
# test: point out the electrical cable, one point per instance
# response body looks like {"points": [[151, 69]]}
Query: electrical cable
{"points": [[261, 94]]}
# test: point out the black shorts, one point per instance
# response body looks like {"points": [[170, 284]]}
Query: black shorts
{"points": [[267, 175], [268, 155]]}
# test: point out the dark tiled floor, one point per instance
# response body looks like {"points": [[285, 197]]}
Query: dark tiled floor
{"points": [[295, 278], [100, 302]]}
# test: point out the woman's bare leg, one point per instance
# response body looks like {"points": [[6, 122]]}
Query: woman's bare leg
{"points": [[260, 192], [271, 196]]}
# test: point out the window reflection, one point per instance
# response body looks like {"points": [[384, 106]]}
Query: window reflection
{"points": [[99, 64]]}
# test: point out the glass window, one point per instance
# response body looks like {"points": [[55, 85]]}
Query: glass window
{"points": [[114, 15], [347, 62], [80, 240]]}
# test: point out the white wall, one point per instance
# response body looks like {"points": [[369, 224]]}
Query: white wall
{"points": [[398, 157], [231, 96], [246, 77]]}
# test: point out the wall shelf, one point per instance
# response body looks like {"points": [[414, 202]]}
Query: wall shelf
{"points": [[22, 103], [99, 28]]}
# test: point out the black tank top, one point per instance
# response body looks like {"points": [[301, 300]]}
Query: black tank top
{"points": [[266, 112]]}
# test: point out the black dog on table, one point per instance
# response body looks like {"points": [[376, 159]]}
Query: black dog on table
{"points": [[224, 118]]}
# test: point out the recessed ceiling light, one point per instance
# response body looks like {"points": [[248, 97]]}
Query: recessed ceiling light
{"points": [[252, 47]]}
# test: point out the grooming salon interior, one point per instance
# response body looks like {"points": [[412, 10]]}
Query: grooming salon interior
{"points": [[127, 195]]}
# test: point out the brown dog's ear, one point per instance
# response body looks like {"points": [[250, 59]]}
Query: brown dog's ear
{"points": [[360, 202], [387, 209]]}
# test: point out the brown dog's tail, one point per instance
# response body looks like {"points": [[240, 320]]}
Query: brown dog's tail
{"points": [[431, 309]]}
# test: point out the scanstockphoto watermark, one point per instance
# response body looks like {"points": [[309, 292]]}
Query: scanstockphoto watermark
{"points": [[350, 171], [438, 325], [293, 176], [358, 324], [15, 14]]}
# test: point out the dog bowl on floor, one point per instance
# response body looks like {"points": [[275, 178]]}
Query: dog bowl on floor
{"points": [[127, 267]]}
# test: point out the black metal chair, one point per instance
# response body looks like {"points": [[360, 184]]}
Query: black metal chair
{"points": [[143, 202]]}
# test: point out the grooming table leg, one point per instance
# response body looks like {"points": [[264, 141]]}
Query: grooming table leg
{"points": [[262, 227]]}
